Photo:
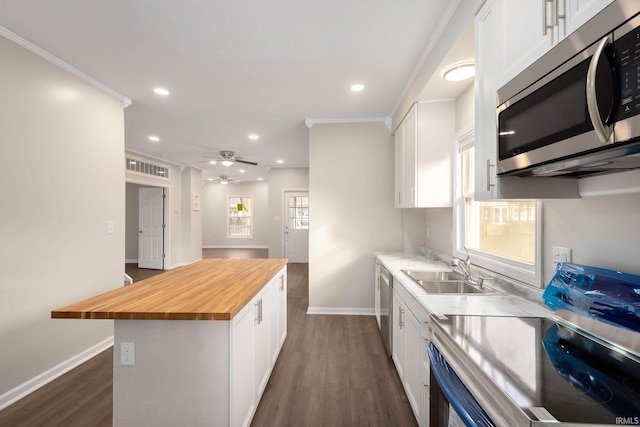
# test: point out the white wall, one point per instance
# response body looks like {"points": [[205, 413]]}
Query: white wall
{"points": [[191, 217], [281, 179], [214, 214], [132, 219], [61, 181], [351, 213]]}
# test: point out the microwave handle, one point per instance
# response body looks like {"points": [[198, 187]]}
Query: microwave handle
{"points": [[603, 130]]}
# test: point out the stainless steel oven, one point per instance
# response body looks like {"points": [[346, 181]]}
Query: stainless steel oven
{"points": [[528, 372], [386, 295], [576, 111]]}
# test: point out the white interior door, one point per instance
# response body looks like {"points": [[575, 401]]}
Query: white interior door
{"points": [[296, 226], [151, 228]]}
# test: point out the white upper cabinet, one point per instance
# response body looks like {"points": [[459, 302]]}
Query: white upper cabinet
{"points": [[580, 11], [424, 147], [529, 28], [523, 34], [485, 103]]}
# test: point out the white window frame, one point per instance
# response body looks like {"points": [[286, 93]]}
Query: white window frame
{"points": [[229, 217], [516, 270]]}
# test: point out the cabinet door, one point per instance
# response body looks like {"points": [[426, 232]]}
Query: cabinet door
{"points": [[527, 30], [399, 166], [413, 363], [262, 355], [485, 103], [409, 150], [273, 296], [242, 385], [398, 353], [579, 12], [282, 308], [435, 126]]}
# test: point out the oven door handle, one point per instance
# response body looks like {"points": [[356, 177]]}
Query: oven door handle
{"points": [[603, 130], [467, 408]]}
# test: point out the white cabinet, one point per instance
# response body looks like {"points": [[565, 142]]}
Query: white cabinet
{"points": [[424, 147], [528, 29], [282, 311], [399, 336], [258, 332], [486, 51], [580, 11], [408, 354]]}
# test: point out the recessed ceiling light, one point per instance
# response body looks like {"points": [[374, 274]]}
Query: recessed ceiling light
{"points": [[210, 179], [242, 171], [161, 91], [259, 179], [253, 136], [459, 71], [213, 162], [154, 138], [279, 161], [357, 88]]}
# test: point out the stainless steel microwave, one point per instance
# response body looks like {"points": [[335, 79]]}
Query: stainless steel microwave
{"points": [[576, 111]]}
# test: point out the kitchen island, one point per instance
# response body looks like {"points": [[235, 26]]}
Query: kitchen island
{"points": [[196, 345]]}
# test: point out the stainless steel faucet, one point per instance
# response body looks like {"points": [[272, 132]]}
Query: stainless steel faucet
{"points": [[465, 266]]}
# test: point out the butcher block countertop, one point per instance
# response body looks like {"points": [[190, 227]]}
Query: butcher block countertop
{"points": [[211, 289]]}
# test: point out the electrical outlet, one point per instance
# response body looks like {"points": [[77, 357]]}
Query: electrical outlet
{"points": [[127, 353], [560, 254]]}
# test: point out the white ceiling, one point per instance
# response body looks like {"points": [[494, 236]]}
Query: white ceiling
{"points": [[235, 67]]}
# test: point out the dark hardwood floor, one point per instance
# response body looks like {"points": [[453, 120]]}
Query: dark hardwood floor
{"points": [[332, 371]]}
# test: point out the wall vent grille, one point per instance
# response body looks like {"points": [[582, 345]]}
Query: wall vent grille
{"points": [[147, 168]]}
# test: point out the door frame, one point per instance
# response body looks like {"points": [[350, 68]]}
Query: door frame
{"points": [[150, 182], [285, 216]]}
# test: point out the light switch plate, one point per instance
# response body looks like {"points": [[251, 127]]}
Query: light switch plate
{"points": [[560, 254]]}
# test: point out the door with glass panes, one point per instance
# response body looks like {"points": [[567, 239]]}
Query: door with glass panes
{"points": [[296, 226]]}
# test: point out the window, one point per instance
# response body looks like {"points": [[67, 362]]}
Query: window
{"points": [[240, 209], [500, 235], [298, 212]]}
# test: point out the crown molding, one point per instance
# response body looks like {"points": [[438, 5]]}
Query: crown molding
{"points": [[125, 101]]}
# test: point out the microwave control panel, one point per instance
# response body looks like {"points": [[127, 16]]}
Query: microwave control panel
{"points": [[627, 51]]}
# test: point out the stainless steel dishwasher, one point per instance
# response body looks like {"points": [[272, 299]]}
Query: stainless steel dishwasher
{"points": [[386, 294]]}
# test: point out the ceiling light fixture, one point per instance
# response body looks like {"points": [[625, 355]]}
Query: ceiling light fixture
{"points": [[242, 171], [357, 88], [213, 162], [154, 138], [253, 136], [459, 71], [160, 91], [226, 162], [279, 161], [223, 182]]}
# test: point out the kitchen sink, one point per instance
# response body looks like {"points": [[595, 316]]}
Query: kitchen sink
{"points": [[449, 287], [433, 276]]}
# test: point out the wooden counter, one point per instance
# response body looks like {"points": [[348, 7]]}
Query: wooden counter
{"points": [[211, 289]]}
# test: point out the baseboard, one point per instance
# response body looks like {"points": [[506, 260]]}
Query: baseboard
{"points": [[235, 247], [349, 311], [131, 261], [47, 376]]}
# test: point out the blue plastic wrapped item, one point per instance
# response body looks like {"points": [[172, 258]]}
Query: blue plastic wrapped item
{"points": [[607, 295]]}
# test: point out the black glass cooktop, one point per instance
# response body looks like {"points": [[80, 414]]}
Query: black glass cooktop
{"points": [[540, 363]]}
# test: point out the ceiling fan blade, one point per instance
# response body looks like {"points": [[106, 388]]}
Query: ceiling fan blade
{"points": [[246, 162]]}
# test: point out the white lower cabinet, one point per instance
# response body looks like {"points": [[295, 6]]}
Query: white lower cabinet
{"points": [[258, 332], [408, 350]]}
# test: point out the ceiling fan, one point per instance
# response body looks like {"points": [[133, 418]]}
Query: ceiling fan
{"points": [[224, 180], [227, 158]]}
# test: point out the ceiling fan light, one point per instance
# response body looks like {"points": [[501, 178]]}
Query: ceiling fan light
{"points": [[226, 162], [223, 182], [459, 71]]}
